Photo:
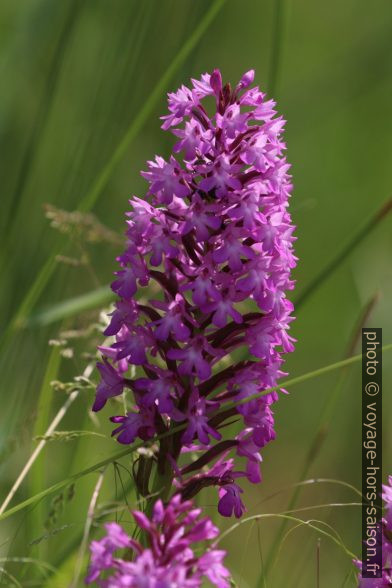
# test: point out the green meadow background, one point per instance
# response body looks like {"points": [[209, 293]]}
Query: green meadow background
{"points": [[83, 84]]}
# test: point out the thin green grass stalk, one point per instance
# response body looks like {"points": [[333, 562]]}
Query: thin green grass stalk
{"points": [[279, 17], [90, 199], [350, 576], [334, 531], [70, 307], [317, 506], [69, 435], [75, 477], [29, 560], [29, 464], [322, 429], [300, 566], [289, 518], [78, 457], [294, 528], [299, 379], [87, 529], [37, 477], [69, 553], [63, 574], [10, 577], [307, 483], [46, 393], [139, 32], [244, 553], [162, 486], [139, 27], [43, 113], [300, 563], [330, 268], [264, 579]]}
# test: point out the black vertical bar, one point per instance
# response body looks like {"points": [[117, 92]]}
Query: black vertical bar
{"points": [[371, 452]]}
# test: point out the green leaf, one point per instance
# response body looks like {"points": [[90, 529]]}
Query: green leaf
{"points": [[70, 307]]}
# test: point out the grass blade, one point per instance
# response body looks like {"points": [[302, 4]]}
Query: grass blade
{"points": [[280, 15], [344, 253], [290, 518], [37, 479], [70, 307], [44, 110], [59, 416], [91, 197], [86, 533]]}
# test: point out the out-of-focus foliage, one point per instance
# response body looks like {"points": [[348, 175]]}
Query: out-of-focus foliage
{"points": [[74, 76]]}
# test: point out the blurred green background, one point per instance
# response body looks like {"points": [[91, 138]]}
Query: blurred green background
{"points": [[77, 76]]}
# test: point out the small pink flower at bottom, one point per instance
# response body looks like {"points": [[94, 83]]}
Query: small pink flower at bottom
{"points": [[168, 561]]}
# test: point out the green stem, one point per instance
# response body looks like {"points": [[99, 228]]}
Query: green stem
{"points": [[161, 488]]}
